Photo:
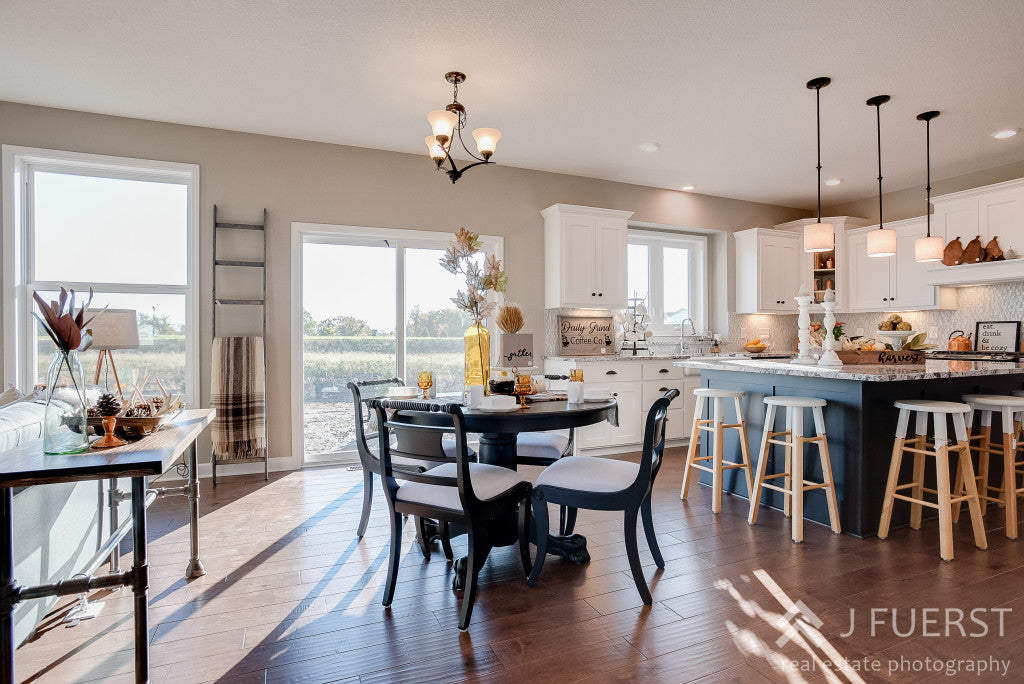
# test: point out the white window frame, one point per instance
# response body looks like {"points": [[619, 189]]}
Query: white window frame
{"points": [[18, 256], [656, 241], [303, 233]]}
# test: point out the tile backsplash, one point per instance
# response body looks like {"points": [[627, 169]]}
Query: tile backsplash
{"points": [[1002, 302]]}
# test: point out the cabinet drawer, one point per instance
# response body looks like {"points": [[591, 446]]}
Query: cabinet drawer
{"points": [[654, 390], [662, 370], [628, 371]]}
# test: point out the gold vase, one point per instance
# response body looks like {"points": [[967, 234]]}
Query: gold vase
{"points": [[478, 355]]}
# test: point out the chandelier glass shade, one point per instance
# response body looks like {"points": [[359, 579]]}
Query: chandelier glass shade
{"points": [[446, 125]]}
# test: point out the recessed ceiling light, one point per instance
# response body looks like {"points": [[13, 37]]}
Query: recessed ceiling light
{"points": [[649, 146], [688, 188], [833, 181], [1005, 133]]}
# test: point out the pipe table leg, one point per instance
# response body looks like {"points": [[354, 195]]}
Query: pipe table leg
{"points": [[140, 579], [195, 566]]}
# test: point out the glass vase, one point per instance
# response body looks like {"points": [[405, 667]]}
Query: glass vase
{"points": [[478, 355], [64, 420]]}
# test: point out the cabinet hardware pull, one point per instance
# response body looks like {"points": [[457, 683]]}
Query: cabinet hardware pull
{"points": [[593, 294], [611, 373], [663, 370], [615, 394], [663, 389], [600, 294]]}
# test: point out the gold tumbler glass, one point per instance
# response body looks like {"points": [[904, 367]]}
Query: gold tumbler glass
{"points": [[425, 382]]}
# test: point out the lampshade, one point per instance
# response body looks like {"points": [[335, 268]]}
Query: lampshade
{"points": [[115, 329], [882, 242], [434, 148], [443, 122], [819, 237], [486, 140], [928, 248]]}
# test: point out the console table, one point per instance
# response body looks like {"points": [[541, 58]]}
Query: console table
{"points": [[139, 460]]}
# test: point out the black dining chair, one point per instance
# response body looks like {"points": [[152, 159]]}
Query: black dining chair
{"points": [[605, 484], [365, 434], [459, 491], [543, 449]]}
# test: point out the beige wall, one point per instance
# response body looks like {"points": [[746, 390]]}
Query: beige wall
{"points": [[909, 203], [305, 181]]}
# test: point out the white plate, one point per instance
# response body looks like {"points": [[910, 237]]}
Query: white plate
{"points": [[508, 409], [403, 392]]}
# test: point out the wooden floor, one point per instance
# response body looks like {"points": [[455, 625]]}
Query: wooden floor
{"points": [[291, 595]]}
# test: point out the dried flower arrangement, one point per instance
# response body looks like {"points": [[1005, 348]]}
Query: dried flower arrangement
{"points": [[510, 319], [458, 260], [65, 328]]}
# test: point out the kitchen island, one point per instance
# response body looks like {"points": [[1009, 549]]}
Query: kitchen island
{"points": [[860, 421]]}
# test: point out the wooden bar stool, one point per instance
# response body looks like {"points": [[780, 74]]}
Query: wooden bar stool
{"points": [[1009, 409], [717, 426], [920, 447], [793, 440]]}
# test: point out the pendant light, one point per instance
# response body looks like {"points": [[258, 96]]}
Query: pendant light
{"points": [[881, 242], [928, 248], [819, 237]]}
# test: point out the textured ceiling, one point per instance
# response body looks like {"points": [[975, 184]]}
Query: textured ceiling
{"points": [[575, 87]]}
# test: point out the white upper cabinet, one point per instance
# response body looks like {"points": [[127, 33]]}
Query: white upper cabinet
{"points": [[826, 269], [584, 257], [767, 270], [896, 283], [993, 211]]}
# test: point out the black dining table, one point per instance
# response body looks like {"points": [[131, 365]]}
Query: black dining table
{"points": [[498, 431]]}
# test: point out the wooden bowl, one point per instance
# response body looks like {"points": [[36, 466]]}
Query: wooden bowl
{"points": [[755, 348]]}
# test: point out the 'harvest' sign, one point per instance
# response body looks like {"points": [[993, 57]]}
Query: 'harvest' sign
{"points": [[586, 335]]}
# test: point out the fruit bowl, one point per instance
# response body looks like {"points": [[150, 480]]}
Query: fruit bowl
{"points": [[755, 348]]}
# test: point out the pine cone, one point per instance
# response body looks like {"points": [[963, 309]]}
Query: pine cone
{"points": [[107, 405]]}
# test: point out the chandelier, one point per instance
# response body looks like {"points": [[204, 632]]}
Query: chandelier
{"points": [[448, 123]]}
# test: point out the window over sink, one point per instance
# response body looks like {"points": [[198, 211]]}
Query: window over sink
{"points": [[669, 270]]}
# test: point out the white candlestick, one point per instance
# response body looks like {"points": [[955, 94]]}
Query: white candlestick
{"points": [[829, 357], [804, 347]]}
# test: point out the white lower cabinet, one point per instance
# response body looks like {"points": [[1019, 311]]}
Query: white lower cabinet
{"points": [[636, 385]]}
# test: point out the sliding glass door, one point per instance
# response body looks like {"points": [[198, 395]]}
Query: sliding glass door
{"points": [[372, 308]]}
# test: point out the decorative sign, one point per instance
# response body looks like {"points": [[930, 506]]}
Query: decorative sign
{"points": [[586, 336], [882, 358], [997, 336], [516, 350]]}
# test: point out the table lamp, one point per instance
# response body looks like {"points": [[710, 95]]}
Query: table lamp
{"points": [[115, 329]]}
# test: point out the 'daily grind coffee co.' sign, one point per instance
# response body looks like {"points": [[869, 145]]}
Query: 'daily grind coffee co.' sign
{"points": [[586, 335]]}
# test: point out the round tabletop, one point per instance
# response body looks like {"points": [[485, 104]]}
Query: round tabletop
{"points": [[540, 417]]}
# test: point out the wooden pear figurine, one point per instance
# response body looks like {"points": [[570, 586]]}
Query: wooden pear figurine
{"points": [[974, 253], [953, 254], [992, 250]]}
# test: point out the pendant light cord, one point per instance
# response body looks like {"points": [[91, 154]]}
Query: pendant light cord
{"points": [[817, 109], [928, 164], [878, 124]]}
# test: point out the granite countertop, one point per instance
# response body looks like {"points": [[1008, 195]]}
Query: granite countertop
{"points": [[864, 372], [617, 357]]}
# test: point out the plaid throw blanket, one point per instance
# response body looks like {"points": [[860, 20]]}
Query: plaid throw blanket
{"points": [[237, 393]]}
